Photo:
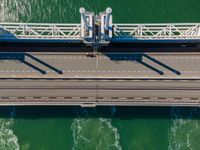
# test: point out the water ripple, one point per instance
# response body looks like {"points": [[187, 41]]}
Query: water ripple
{"points": [[185, 129], [94, 133], [8, 140]]}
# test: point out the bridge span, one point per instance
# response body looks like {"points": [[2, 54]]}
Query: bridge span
{"points": [[99, 76], [103, 79], [91, 93]]}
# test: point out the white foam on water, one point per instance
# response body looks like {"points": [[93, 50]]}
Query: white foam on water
{"points": [[24, 10], [8, 140], [95, 133], [114, 131], [28, 10], [185, 131], [9, 10], [42, 10]]}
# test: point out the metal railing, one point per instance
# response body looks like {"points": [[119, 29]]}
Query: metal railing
{"points": [[40, 31], [157, 31], [73, 31]]}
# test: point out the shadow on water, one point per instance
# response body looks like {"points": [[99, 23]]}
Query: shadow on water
{"points": [[140, 58], [22, 57], [123, 113], [6, 34]]}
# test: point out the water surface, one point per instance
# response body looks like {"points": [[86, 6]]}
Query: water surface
{"points": [[105, 128]]}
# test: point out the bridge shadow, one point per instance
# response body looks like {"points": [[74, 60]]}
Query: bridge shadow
{"points": [[22, 57], [122, 113], [140, 58], [44, 63], [5, 34]]}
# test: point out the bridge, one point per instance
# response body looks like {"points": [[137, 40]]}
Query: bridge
{"points": [[102, 74], [99, 30]]}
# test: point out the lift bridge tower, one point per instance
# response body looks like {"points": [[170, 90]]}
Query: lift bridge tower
{"points": [[96, 30]]}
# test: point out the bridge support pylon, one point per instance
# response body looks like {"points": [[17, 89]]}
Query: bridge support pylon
{"points": [[96, 30], [106, 25], [86, 25]]}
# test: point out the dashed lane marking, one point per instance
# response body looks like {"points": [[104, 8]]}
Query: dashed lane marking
{"points": [[98, 71], [116, 57]]}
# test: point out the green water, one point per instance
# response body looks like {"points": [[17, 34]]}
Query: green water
{"points": [[105, 128]]}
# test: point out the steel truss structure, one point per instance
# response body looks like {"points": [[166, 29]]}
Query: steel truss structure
{"points": [[157, 31], [40, 31], [73, 31]]}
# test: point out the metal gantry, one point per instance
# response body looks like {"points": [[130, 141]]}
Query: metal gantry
{"points": [[99, 30]]}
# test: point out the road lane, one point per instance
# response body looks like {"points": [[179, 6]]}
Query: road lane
{"points": [[101, 92], [107, 65]]}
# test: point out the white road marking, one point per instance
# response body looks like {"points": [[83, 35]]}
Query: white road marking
{"points": [[99, 71]]}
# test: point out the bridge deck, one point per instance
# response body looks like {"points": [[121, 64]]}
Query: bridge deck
{"points": [[90, 93], [145, 79], [106, 65]]}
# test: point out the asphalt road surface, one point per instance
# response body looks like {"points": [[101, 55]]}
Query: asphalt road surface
{"points": [[100, 92], [106, 65], [145, 79]]}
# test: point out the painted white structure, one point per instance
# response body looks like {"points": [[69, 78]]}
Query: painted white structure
{"points": [[158, 31], [86, 25], [106, 25], [40, 31], [99, 30]]}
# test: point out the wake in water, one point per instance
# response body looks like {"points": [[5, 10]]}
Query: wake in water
{"points": [[185, 131], [94, 133], [8, 140], [59, 11], [10, 11]]}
